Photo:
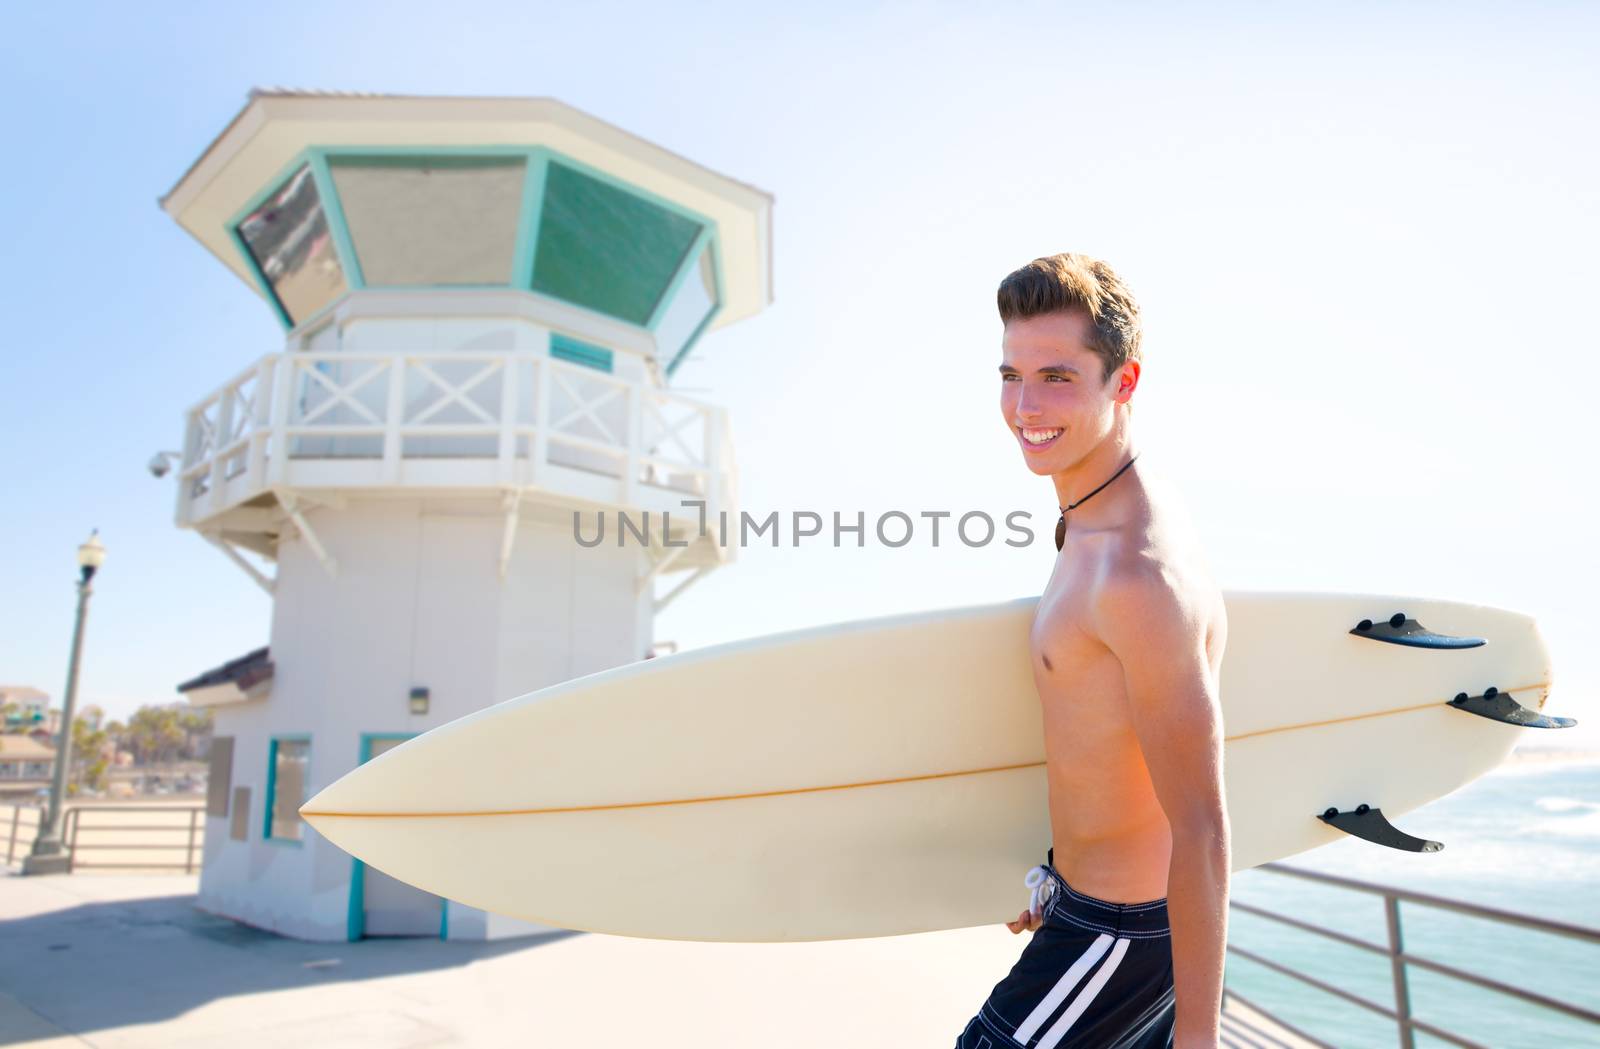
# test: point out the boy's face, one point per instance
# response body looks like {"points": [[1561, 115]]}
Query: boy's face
{"points": [[1051, 387]]}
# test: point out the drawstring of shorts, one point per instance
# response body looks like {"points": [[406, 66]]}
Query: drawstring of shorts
{"points": [[1040, 888]]}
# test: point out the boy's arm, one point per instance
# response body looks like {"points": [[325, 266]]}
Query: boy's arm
{"points": [[1176, 713]]}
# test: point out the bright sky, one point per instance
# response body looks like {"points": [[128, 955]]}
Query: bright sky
{"points": [[1363, 237]]}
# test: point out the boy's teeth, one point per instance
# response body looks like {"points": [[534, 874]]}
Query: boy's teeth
{"points": [[1038, 436]]}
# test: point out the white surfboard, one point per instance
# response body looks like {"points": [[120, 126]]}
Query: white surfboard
{"points": [[887, 776]]}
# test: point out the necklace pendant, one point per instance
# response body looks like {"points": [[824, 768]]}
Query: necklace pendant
{"points": [[1061, 525]]}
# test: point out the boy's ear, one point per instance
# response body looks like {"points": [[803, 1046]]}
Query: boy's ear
{"points": [[1127, 380]]}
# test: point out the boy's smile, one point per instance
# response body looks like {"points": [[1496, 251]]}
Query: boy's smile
{"points": [[1053, 393]]}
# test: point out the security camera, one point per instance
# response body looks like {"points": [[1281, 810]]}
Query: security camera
{"points": [[160, 463]]}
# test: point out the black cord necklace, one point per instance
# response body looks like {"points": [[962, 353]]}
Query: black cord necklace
{"points": [[1061, 523]]}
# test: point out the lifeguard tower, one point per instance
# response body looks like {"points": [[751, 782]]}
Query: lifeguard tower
{"points": [[484, 301]]}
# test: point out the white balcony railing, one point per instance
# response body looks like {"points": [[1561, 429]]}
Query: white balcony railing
{"points": [[449, 420]]}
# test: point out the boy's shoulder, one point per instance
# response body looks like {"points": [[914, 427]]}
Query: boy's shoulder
{"points": [[1155, 563]]}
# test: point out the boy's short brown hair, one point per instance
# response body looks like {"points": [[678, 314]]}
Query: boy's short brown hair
{"points": [[1066, 282]]}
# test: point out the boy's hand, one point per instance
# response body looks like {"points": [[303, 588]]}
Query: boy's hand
{"points": [[1026, 920]]}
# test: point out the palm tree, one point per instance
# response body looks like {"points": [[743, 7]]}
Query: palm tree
{"points": [[196, 725], [155, 734]]}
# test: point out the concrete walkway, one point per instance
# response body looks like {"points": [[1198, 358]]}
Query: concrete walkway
{"points": [[125, 961]]}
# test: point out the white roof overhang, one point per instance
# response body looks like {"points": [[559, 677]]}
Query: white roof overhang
{"points": [[275, 127]]}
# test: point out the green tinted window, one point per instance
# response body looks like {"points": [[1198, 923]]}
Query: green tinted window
{"points": [[689, 310], [605, 248]]}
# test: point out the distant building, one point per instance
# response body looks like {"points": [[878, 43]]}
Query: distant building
{"points": [[25, 764], [27, 708]]}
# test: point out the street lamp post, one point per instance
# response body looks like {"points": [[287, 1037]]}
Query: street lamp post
{"points": [[48, 855]]}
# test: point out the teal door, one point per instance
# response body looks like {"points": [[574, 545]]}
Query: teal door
{"points": [[379, 904]]}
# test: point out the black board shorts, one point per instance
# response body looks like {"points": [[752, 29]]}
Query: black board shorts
{"points": [[1096, 974]]}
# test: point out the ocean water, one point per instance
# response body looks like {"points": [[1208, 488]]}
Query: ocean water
{"points": [[1524, 838]]}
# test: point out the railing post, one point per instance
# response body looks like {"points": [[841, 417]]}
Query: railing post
{"points": [[260, 423], [509, 371], [1402, 993], [191, 444], [72, 839], [635, 440], [219, 473], [539, 446], [393, 415], [11, 847], [188, 856], [283, 377]]}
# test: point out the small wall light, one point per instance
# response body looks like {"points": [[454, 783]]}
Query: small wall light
{"points": [[419, 701]]}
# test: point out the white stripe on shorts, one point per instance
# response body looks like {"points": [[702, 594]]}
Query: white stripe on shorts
{"points": [[1063, 987], [1058, 1030]]}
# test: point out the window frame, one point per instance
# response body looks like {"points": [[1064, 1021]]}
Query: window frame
{"points": [[564, 347], [537, 161], [271, 793]]}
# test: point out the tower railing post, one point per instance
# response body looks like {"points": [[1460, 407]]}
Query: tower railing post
{"points": [[635, 441], [509, 372], [283, 378], [219, 441], [393, 415], [260, 423], [539, 446], [191, 456]]}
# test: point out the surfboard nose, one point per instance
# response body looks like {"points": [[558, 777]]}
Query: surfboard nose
{"points": [[312, 811], [338, 811], [350, 795]]}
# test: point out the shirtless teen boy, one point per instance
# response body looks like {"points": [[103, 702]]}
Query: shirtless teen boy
{"points": [[1128, 929]]}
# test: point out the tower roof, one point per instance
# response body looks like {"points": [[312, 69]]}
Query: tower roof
{"points": [[276, 126]]}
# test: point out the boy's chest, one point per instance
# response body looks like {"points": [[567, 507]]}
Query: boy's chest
{"points": [[1067, 653]]}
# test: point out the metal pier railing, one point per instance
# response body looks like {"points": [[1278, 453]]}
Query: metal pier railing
{"points": [[1401, 960], [147, 843]]}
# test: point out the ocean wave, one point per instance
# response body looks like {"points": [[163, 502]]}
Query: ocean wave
{"points": [[1571, 818], [1559, 804]]}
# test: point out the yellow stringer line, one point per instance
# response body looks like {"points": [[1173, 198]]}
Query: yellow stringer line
{"points": [[841, 786], [1363, 717], [689, 801]]}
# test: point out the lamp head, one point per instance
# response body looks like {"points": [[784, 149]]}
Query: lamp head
{"points": [[91, 555]]}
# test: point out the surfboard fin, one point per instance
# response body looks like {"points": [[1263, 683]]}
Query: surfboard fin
{"points": [[1368, 823], [1499, 706], [1399, 630]]}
